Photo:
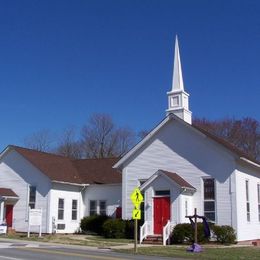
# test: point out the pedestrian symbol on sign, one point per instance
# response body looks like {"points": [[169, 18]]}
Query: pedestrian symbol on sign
{"points": [[137, 197]]}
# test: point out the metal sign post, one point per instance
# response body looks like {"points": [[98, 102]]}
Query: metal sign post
{"points": [[195, 227], [137, 199]]}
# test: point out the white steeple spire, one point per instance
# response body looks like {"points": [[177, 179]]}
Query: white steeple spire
{"points": [[177, 80], [178, 99]]}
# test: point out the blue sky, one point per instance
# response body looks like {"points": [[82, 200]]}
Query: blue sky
{"points": [[61, 61]]}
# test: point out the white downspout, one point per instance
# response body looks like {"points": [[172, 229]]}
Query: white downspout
{"points": [[1, 211]]}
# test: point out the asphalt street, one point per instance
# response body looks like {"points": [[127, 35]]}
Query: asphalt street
{"points": [[34, 251]]}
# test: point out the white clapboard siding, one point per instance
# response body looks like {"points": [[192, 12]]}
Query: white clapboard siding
{"points": [[111, 193], [185, 151], [68, 193], [247, 230], [17, 173]]}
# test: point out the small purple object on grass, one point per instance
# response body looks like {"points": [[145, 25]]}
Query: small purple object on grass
{"points": [[196, 248]]}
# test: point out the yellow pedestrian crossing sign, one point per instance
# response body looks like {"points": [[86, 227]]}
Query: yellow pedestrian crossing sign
{"points": [[136, 214], [137, 197]]}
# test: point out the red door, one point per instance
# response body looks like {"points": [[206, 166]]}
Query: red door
{"points": [[9, 215], [161, 213]]}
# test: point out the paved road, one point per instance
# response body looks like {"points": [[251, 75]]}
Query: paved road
{"points": [[34, 251]]}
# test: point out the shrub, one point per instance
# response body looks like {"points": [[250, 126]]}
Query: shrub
{"points": [[114, 228], [185, 233], [93, 224], [129, 229], [181, 233], [224, 234]]}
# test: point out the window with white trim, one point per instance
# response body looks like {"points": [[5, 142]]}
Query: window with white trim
{"points": [[247, 201], [258, 195], [92, 207], [61, 209], [74, 210], [209, 199], [102, 207], [97, 207], [32, 197]]}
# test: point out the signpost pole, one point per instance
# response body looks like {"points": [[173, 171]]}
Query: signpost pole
{"points": [[136, 221], [28, 232], [196, 227], [137, 199]]}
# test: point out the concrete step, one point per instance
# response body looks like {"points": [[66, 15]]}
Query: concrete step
{"points": [[153, 240]]}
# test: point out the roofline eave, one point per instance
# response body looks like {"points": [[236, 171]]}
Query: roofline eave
{"points": [[71, 183], [249, 162], [189, 188]]}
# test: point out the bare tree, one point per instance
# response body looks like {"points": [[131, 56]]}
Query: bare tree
{"points": [[40, 141], [68, 145], [101, 138], [125, 139], [143, 133], [244, 133]]}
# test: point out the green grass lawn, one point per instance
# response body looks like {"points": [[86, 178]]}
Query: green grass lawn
{"points": [[208, 253]]}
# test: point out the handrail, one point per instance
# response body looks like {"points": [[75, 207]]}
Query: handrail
{"points": [[143, 231], [166, 232]]}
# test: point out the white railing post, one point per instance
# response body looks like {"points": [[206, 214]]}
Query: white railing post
{"points": [[143, 232], [166, 232]]}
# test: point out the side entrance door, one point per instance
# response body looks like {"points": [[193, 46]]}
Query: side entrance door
{"points": [[9, 215], [161, 213]]}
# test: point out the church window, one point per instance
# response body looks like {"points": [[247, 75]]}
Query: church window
{"points": [[74, 210], [32, 197], [102, 207], [97, 207], [247, 201], [61, 209], [92, 207], [162, 193], [209, 199]]}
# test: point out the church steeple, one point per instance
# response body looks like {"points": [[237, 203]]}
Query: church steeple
{"points": [[178, 99]]}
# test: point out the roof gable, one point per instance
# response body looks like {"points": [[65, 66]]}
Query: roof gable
{"points": [[170, 176], [171, 117], [62, 169]]}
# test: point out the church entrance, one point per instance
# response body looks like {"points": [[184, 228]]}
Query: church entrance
{"points": [[9, 215], [161, 213]]}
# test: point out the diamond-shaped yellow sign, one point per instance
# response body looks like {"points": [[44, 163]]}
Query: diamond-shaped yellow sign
{"points": [[136, 197], [136, 214]]}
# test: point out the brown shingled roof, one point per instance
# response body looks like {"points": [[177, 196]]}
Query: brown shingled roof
{"points": [[98, 171], [63, 169], [7, 193], [57, 168], [177, 179], [226, 144]]}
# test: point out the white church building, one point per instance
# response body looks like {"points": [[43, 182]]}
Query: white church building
{"points": [[179, 167]]}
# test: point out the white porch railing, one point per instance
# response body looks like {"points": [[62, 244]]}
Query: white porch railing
{"points": [[166, 232], [145, 230]]}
